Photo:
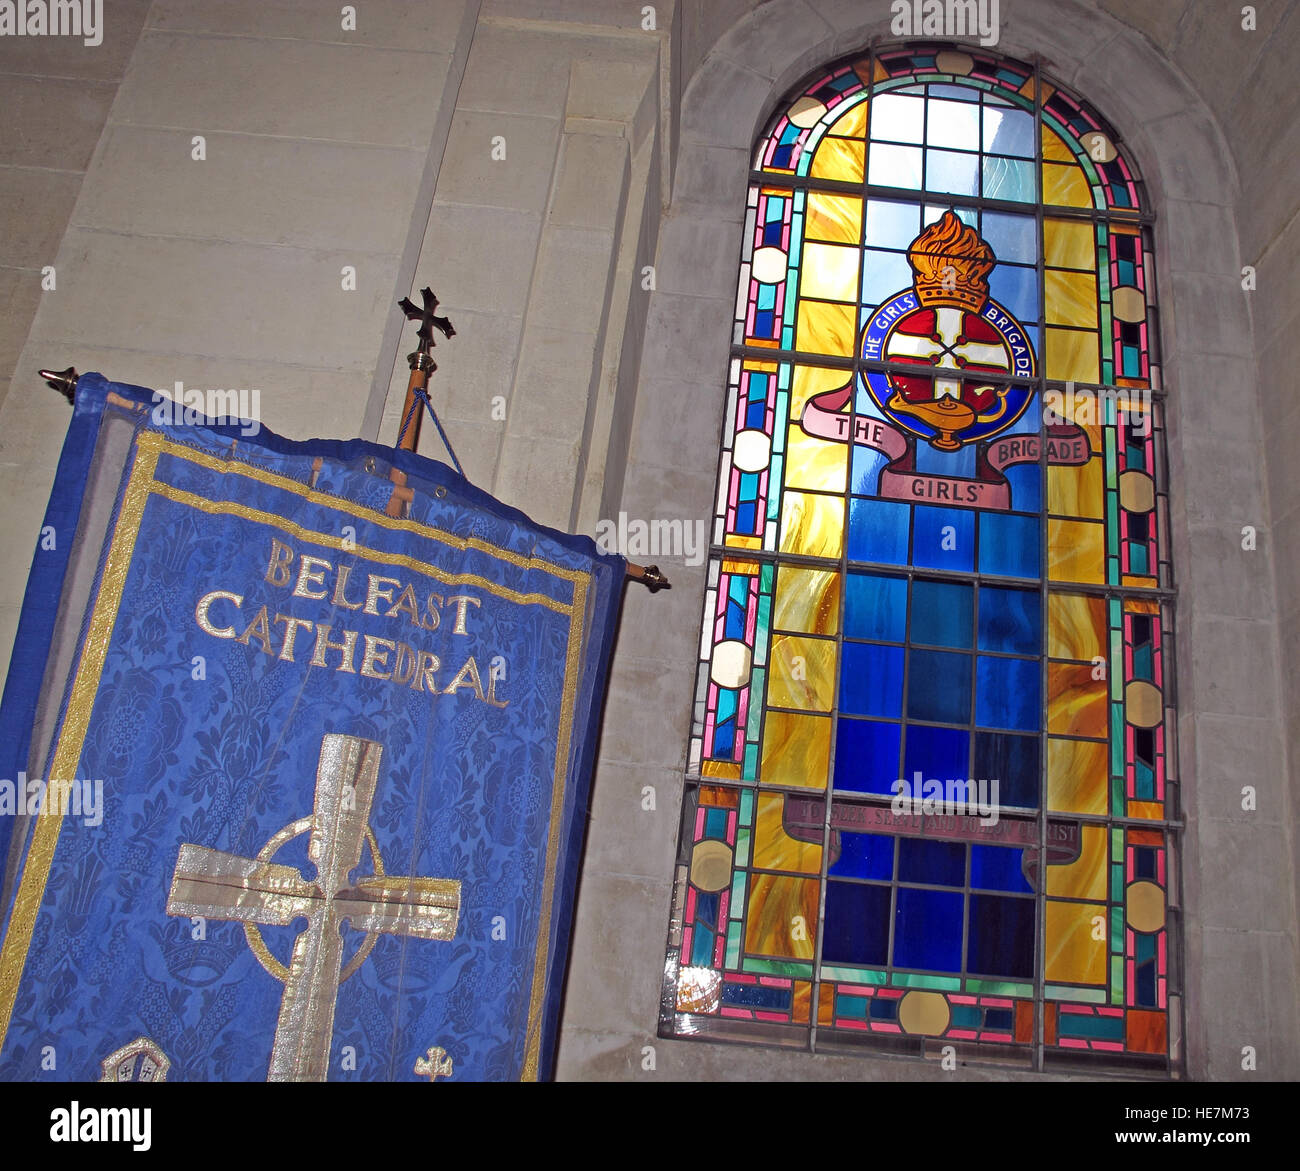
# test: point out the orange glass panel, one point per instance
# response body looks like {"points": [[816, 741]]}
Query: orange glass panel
{"points": [[1076, 775], [812, 525], [829, 271], [837, 218], [1076, 490], [826, 329], [807, 601], [1069, 244], [1065, 186], [1076, 551], [781, 919], [774, 849], [796, 750], [838, 158], [1145, 1032], [1071, 298], [1073, 956], [1084, 878], [1076, 626], [1150, 809], [1076, 702], [719, 796], [852, 123], [801, 673], [1071, 354], [802, 1005], [720, 769]]}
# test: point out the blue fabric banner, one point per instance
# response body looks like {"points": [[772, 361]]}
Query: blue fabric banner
{"points": [[317, 791]]}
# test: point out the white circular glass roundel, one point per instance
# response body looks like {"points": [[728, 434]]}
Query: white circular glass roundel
{"points": [[770, 266], [752, 451], [731, 662]]}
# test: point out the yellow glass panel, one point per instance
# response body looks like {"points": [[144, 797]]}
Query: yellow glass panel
{"points": [[1055, 148], [829, 271], [1073, 956], [741, 541], [1085, 877], [1141, 606], [815, 463], [802, 1006], [782, 917], [1076, 551], [828, 329], [1152, 809], [852, 123], [807, 600], [1077, 490], [730, 565], [1069, 244], [1065, 186], [1138, 581], [838, 158], [1076, 775], [1076, 626], [1072, 354], [801, 673], [774, 849], [720, 768], [796, 750], [1071, 298], [811, 380], [837, 218], [813, 525], [1076, 702]]}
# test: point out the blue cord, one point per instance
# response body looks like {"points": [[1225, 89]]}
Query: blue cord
{"points": [[423, 396]]}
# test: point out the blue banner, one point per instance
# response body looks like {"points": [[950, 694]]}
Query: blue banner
{"points": [[316, 794]]}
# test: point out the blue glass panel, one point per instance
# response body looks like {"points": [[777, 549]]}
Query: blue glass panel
{"points": [[936, 753], [715, 824], [883, 1009], [702, 948], [1007, 693], [938, 686], [864, 856], [998, 868], [1026, 482], [886, 273], [1009, 179], [1144, 862], [1137, 559], [1009, 545], [927, 930], [1013, 238], [1127, 272], [1144, 782], [876, 607], [756, 414], [856, 927], [933, 862], [763, 323], [951, 172], [1012, 761], [1001, 937], [871, 680], [724, 739], [757, 996], [1015, 288], [1008, 132], [1142, 661], [1010, 621], [706, 905], [1099, 1028], [942, 613], [866, 756], [933, 548], [746, 514], [891, 224], [966, 1016], [726, 703], [878, 531], [999, 1018]]}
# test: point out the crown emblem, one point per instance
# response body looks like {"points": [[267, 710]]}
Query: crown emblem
{"points": [[952, 264]]}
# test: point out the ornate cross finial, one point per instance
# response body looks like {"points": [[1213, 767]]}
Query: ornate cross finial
{"points": [[428, 323]]}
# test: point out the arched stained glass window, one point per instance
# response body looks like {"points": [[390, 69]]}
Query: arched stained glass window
{"points": [[931, 788]]}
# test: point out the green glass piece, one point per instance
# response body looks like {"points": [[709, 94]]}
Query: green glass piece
{"points": [[1117, 929], [918, 980], [747, 808], [1117, 979], [998, 988], [778, 968], [854, 975], [733, 947], [742, 859], [751, 760], [1070, 992]]}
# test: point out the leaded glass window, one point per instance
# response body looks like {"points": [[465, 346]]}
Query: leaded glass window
{"points": [[931, 793]]}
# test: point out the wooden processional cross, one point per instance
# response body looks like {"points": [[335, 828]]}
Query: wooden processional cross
{"points": [[257, 891]]}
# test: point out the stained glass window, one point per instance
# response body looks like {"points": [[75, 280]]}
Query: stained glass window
{"points": [[931, 793]]}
